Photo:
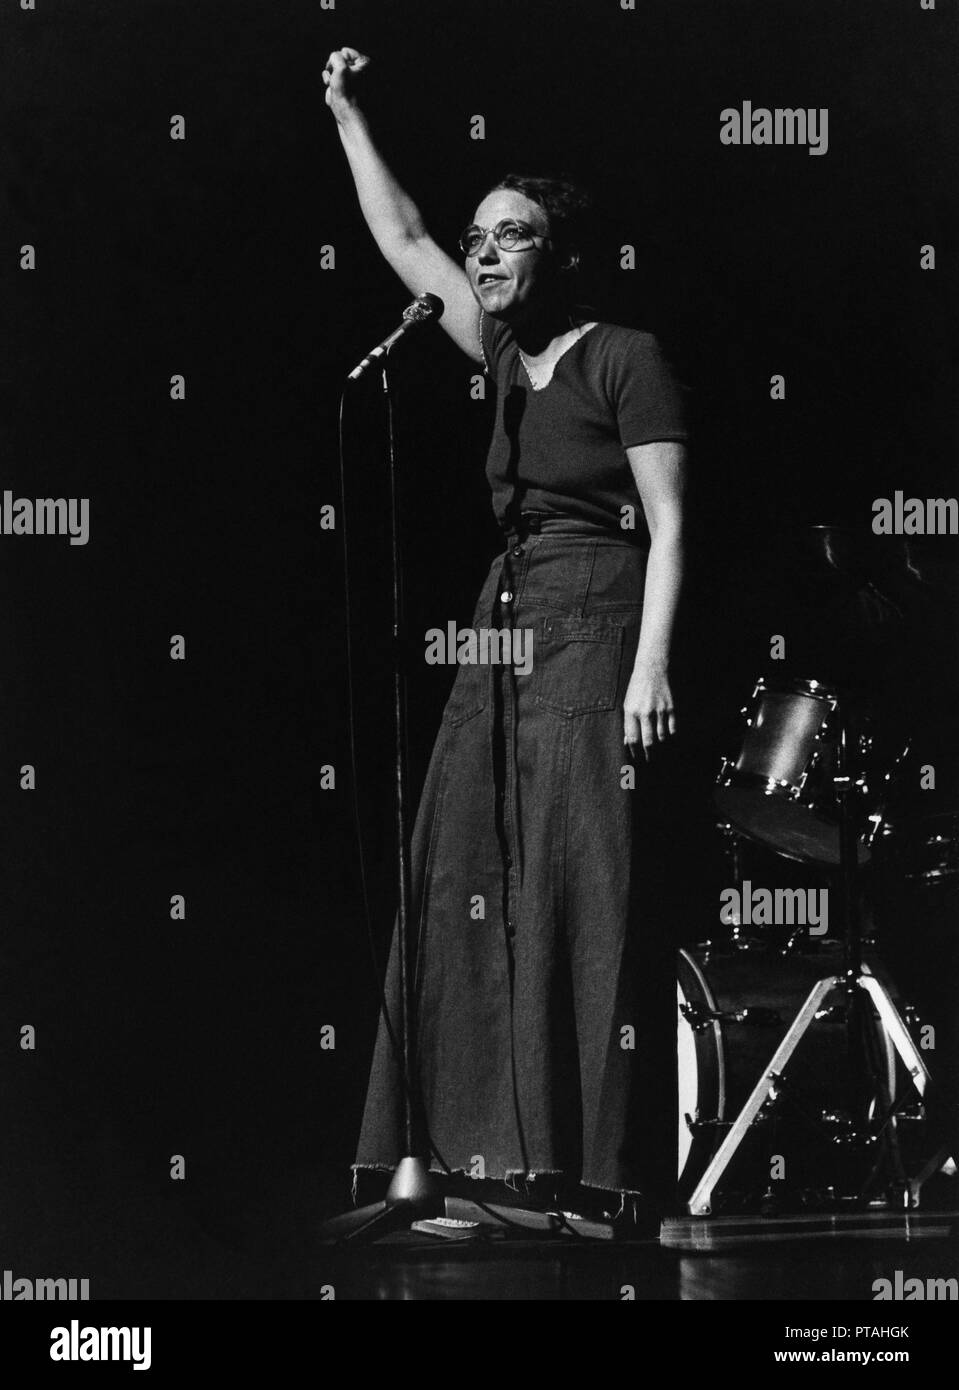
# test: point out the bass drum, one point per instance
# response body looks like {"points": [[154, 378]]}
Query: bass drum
{"points": [[734, 1008]]}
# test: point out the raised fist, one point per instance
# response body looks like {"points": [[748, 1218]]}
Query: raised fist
{"points": [[340, 79]]}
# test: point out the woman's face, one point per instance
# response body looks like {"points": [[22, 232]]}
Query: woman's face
{"points": [[506, 283]]}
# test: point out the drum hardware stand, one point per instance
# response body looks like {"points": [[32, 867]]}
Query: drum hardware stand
{"points": [[859, 988], [733, 841]]}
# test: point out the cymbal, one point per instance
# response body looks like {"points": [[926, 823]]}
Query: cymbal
{"points": [[932, 560], [829, 558]]}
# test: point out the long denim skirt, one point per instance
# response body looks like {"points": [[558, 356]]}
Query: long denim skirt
{"points": [[544, 982]]}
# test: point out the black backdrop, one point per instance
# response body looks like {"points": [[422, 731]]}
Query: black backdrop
{"points": [[201, 257]]}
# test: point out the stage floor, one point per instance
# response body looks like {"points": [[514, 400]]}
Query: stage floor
{"points": [[840, 1269], [259, 1239]]}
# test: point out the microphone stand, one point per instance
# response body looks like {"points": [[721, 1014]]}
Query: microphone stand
{"points": [[412, 1193]]}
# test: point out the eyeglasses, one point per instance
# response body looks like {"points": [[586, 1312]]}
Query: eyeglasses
{"points": [[508, 235]]}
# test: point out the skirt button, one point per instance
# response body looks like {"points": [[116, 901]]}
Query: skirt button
{"points": [[506, 596]]}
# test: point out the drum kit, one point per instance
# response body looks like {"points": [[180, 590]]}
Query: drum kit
{"points": [[801, 1073]]}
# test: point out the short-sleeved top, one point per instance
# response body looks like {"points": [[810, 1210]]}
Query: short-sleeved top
{"points": [[561, 449]]}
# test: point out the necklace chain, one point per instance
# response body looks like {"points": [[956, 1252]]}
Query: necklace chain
{"points": [[522, 358]]}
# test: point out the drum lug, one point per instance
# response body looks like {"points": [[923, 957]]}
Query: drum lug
{"points": [[912, 1114], [699, 1019], [910, 1017], [757, 1017], [697, 1126], [716, 1126], [845, 1132]]}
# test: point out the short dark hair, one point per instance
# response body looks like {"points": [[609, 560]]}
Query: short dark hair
{"points": [[566, 203]]}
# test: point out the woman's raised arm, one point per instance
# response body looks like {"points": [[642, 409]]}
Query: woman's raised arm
{"points": [[391, 215]]}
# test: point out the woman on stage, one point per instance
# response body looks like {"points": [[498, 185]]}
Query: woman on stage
{"points": [[545, 981]]}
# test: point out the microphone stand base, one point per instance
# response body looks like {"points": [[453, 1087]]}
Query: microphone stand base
{"points": [[411, 1196]]}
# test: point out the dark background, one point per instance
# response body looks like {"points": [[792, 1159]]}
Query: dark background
{"points": [[203, 777]]}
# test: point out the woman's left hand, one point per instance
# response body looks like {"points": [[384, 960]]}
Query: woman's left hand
{"points": [[648, 715]]}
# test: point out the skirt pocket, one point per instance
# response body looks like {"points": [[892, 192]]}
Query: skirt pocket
{"points": [[470, 690], [468, 696], [577, 664]]}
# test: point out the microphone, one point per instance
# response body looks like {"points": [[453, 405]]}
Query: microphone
{"points": [[424, 309]]}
